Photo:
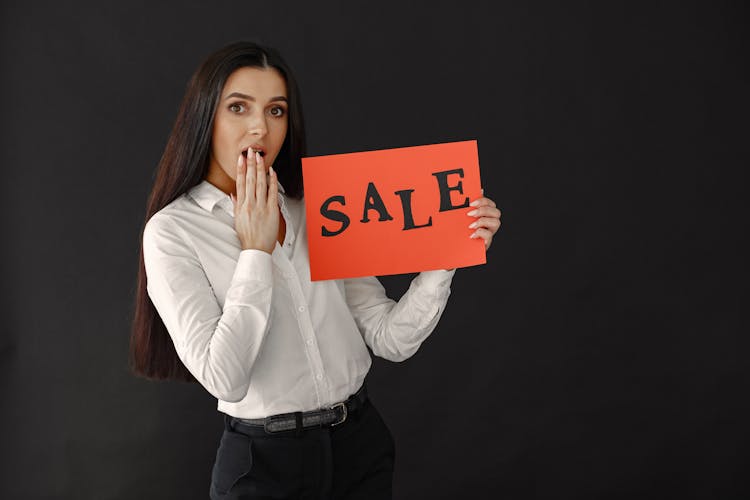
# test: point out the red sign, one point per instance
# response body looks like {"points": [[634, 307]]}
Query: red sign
{"points": [[392, 211]]}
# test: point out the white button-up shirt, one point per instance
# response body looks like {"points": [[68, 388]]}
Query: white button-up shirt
{"points": [[253, 329]]}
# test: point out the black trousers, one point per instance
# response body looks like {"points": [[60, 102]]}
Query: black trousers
{"points": [[352, 460]]}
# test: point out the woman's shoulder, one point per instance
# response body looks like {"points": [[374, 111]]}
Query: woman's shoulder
{"points": [[173, 216]]}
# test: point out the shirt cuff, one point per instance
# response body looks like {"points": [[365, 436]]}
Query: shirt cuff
{"points": [[253, 265], [437, 279]]}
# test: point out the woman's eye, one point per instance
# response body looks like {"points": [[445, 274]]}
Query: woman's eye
{"points": [[277, 111], [236, 107]]}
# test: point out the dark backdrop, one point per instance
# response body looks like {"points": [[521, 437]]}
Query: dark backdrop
{"points": [[602, 352]]}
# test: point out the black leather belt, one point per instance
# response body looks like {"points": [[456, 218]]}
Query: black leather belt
{"points": [[327, 417]]}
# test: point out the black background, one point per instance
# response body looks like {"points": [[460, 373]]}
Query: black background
{"points": [[602, 352]]}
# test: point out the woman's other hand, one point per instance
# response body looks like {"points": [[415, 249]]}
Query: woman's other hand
{"points": [[256, 210], [487, 219]]}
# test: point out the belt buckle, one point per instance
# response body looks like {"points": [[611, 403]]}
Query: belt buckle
{"points": [[346, 412]]}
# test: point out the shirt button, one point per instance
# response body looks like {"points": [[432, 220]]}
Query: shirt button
{"points": [[319, 376], [309, 341], [301, 308]]}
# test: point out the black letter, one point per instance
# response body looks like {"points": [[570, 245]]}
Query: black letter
{"points": [[373, 201], [334, 215], [405, 195], [445, 189]]}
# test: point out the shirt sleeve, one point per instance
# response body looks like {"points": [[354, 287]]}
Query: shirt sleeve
{"points": [[395, 330], [218, 347]]}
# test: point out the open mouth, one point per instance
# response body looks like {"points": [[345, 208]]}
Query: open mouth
{"points": [[262, 153]]}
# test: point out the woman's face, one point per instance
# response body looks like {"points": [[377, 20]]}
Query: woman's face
{"points": [[251, 114]]}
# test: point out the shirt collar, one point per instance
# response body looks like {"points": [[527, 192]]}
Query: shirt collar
{"points": [[207, 195]]}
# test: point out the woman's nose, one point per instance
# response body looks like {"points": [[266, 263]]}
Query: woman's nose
{"points": [[257, 126]]}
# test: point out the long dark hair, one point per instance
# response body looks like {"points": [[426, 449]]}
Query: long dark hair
{"points": [[184, 164]]}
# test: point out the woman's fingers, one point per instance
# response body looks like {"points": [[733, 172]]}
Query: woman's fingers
{"points": [[273, 188], [257, 214], [251, 178], [485, 211], [485, 234], [481, 202], [261, 186], [487, 220], [241, 172]]}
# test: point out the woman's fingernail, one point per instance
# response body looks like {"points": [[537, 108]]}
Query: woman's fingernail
{"points": [[257, 157], [473, 235], [472, 225], [472, 213], [474, 203]]}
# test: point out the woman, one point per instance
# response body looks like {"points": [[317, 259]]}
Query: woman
{"points": [[225, 297]]}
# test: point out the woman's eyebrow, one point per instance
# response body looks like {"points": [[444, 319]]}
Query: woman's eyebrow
{"points": [[251, 98]]}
